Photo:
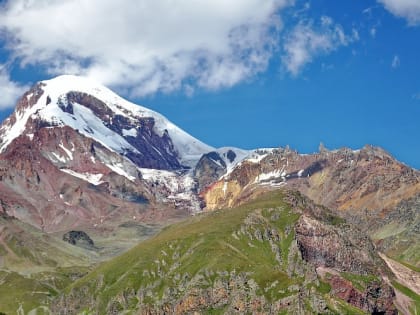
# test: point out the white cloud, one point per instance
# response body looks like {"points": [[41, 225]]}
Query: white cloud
{"points": [[373, 32], [308, 40], [395, 62], [146, 46], [9, 91], [408, 9]]}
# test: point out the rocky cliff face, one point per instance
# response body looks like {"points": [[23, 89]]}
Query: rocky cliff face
{"points": [[209, 169]]}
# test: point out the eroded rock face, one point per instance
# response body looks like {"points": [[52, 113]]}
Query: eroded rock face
{"points": [[342, 248], [37, 188]]}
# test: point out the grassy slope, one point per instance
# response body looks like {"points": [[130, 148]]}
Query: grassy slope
{"points": [[202, 242], [36, 291], [25, 249], [207, 244], [34, 267]]}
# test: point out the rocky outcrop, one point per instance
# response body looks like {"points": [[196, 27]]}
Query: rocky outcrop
{"points": [[340, 247], [209, 169], [79, 238], [377, 298], [345, 249]]}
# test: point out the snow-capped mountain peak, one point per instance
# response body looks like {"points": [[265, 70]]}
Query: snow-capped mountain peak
{"points": [[98, 113]]}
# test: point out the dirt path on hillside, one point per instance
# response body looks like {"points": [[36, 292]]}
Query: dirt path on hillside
{"points": [[405, 275]]}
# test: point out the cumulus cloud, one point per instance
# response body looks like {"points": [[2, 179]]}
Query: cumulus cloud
{"points": [[145, 46], [9, 91], [408, 9], [308, 40]]}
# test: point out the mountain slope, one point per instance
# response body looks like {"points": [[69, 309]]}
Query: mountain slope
{"points": [[252, 259], [35, 266], [73, 153]]}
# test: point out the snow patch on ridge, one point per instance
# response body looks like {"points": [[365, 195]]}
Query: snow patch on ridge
{"points": [[14, 131], [58, 157], [252, 156], [274, 178], [224, 189], [68, 152], [259, 154], [119, 169], [94, 179], [129, 132]]}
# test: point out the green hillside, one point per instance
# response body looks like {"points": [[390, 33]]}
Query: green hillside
{"points": [[243, 260]]}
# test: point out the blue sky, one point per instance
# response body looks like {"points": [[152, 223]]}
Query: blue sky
{"points": [[245, 73]]}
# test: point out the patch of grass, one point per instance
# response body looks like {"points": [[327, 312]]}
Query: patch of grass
{"points": [[347, 309], [17, 291], [335, 220], [215, 311], [324, 287], [360, 282], [35, 291], [388, 230]]}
